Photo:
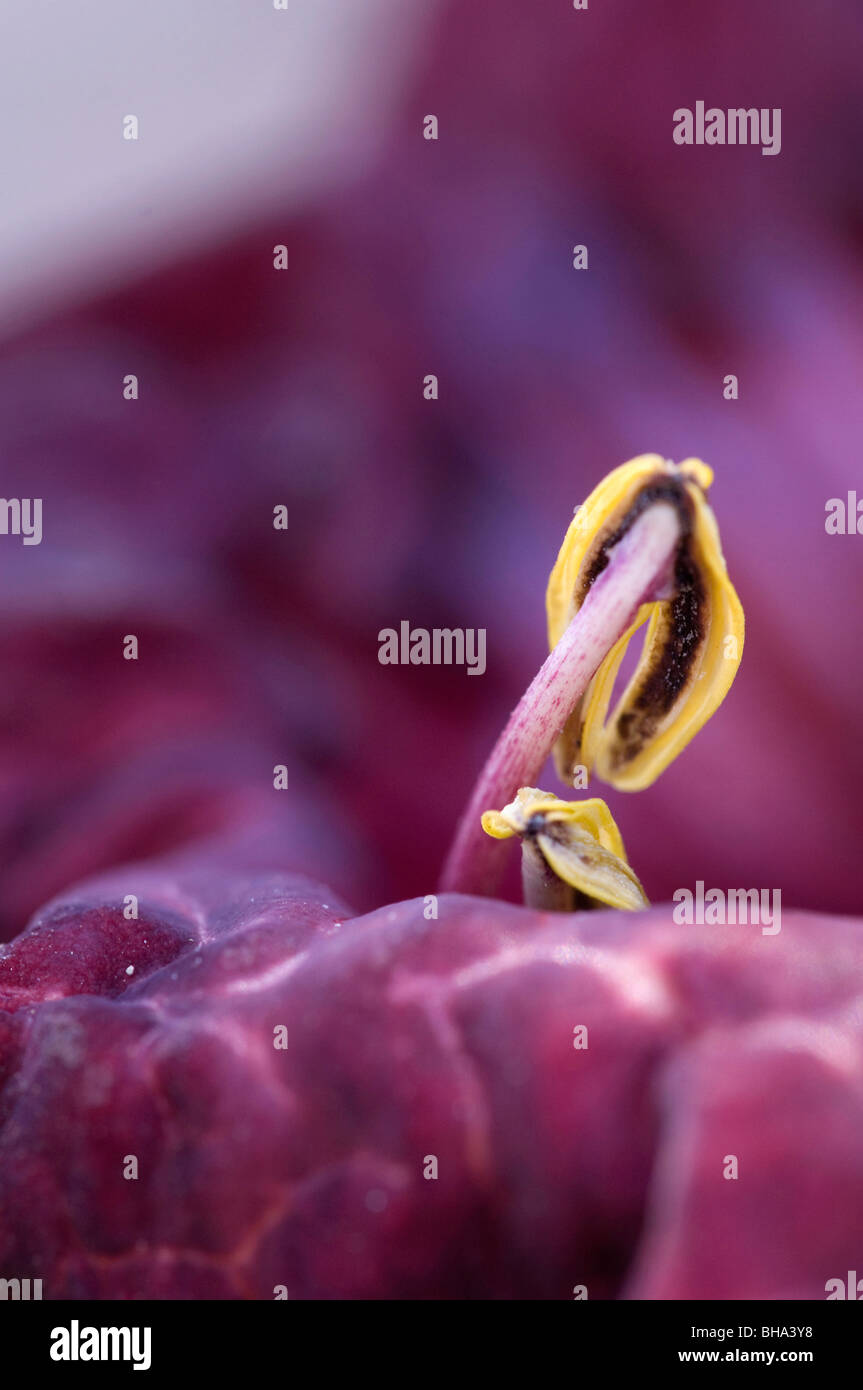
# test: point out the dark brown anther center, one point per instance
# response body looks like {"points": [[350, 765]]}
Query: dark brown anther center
{"points": [[683, 621], [663, 489], [683, 633]]}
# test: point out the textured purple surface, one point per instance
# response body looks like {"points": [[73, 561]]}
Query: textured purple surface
{"points": [[260, 648], [411, 1037]]}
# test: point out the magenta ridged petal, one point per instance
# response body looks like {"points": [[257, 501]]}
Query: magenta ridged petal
{"points": [[411, 1037]]}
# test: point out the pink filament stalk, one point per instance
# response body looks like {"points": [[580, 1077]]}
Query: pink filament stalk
{"points": [[636, 571]]}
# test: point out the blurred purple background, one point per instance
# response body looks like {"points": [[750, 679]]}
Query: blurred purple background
{"points": [[257, 388]]}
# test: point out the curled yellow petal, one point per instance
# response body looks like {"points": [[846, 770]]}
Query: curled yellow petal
{"points": [[579, 843], [590, 869], [694, 639], [494, 823]]}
